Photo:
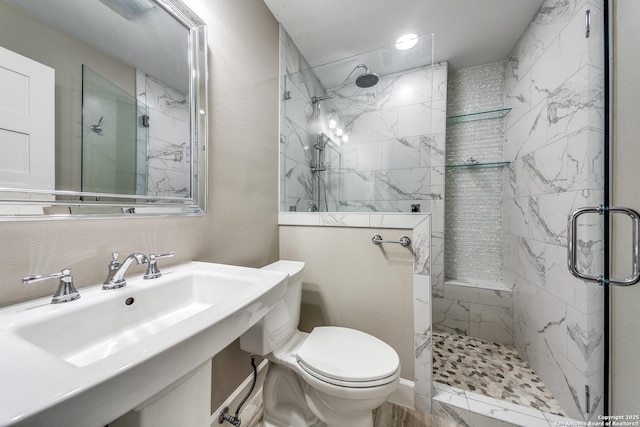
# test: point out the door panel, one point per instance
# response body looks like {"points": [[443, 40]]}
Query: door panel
{"points": [[27, 127], [625, 301]]}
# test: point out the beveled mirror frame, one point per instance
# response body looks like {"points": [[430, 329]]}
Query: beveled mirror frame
{"points": [[77, 204]]}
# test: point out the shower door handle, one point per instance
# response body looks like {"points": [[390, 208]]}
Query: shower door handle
{"points": [[572, 241]]}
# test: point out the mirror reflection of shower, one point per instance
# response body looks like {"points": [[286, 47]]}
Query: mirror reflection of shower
{"points": [[365, 80], [97, 128]]}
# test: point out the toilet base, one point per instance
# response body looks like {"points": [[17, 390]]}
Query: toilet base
{"points": [[283, 400], [291, 402]]}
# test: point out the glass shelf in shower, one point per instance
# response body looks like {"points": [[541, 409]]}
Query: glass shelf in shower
{"points": [[477, 165], [473, 117]]}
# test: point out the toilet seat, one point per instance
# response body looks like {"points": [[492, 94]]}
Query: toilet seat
{"points": [[348, 357]]}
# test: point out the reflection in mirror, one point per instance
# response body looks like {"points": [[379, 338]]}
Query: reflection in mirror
{"points": [[110, 144], [128, 120]]}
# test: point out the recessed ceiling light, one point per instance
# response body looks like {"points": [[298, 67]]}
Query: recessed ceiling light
{"points": [[406, 42]]}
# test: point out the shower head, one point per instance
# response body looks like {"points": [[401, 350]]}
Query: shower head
{"points": [[368, 79]]}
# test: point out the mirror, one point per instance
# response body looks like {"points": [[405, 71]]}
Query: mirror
{"points": [[121, 123]]}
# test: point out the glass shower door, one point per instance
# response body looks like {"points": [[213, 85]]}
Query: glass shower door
{"points": [[109, 136]]}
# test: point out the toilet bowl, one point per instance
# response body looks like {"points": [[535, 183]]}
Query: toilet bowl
{"points": [[332, 376]]}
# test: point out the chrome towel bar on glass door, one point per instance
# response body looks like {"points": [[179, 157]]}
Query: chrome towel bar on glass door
{"points": [[403, 240], [572, 245]]}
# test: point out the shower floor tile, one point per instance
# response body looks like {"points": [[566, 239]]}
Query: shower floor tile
{"points": [[495, 370]]}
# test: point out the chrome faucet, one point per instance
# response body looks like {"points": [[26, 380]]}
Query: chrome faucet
{"points": [[115, 279]]}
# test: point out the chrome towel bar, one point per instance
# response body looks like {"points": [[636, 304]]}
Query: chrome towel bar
{"points": [[403, 240], [572, 245]]}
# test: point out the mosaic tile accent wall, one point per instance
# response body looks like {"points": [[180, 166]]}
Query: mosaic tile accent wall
{"points": [[554, 85], [473, 225], [473, 300]]}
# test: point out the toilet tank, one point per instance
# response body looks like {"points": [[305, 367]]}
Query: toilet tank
{"points": [[282, 320]]}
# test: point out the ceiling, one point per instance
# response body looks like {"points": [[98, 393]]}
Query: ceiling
{"points": [[466, 32]]}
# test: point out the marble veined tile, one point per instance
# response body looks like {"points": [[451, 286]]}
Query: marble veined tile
{"points": [[586, 340], [406, 184], [400, 153], [576, 104], [451, 316], [491, 323], [373, 126], [505, 415], [414, 120], [495, 297]]}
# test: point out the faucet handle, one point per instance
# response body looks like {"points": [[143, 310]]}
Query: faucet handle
{"points": [[66, 291], [114, 264], [153, 272]]}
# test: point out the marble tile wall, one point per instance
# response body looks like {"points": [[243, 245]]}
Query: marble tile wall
{"points": [[394, 156], [167, 152], [297, 128], [473, 409], [554, 139]]}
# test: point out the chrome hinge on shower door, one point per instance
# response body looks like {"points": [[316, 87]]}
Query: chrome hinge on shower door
{"points": [[572, 243], [587, 398], [587, 24]]}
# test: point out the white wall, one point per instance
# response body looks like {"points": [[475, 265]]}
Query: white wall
{"points": [[350, 282]]}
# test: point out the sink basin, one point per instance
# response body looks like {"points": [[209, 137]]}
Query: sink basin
{"points": [[58, 362]]}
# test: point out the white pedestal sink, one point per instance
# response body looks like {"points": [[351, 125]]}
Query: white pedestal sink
{"points": [[87, 362]]}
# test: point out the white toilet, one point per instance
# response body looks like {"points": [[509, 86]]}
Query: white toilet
{"points": [[333, 376]]}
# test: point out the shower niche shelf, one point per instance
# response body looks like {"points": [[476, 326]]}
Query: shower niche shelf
{"points": [[474, 117], [477, 165]]}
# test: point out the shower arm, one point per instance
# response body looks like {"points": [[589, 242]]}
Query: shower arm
{"points": [[322, 98]]}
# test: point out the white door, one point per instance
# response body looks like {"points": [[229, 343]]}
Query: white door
{"points": [[625, 301], [27, 123]]}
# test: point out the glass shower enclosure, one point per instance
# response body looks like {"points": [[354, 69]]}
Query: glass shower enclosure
{"points": [[518, 147], [346, 148]]}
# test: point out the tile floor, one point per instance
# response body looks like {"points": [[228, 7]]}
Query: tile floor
{"points": [[388, 415], [491, 369], [392, 415]]}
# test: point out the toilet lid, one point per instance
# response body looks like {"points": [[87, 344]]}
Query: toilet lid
{"points": [[347, 355]]}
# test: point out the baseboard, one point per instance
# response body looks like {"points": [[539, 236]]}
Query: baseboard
{"points": [[236, 397], [403, 396]]}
